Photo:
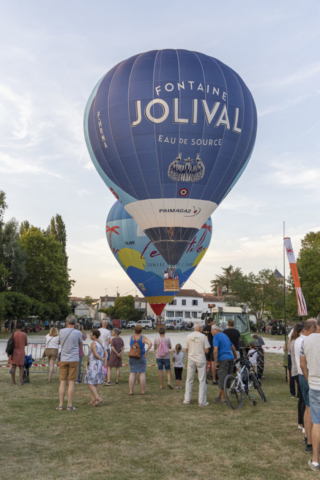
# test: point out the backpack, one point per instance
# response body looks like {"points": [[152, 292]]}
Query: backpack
{"points": [[10, 346], [135, 350], [163, 350]]}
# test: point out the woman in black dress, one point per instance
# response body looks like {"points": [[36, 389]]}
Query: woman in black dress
{"points": [[115, 361]]}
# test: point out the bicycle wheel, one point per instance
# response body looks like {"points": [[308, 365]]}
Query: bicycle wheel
{"points": [[233, 392], [257, 386]]}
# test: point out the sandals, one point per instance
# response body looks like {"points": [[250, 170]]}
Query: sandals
{"points": [[170, 386], [98, 402], [60, 407], [71, 408]]}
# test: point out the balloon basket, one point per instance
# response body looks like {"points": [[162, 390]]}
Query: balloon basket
{"points": [[171, 285]]}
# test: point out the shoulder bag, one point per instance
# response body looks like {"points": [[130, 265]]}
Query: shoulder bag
{"points": [[10, 345]]}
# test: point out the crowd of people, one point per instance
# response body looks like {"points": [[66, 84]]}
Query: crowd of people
{"points": [[303, 348]]}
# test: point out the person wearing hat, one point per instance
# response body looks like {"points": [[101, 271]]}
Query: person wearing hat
{"points": [[115, 361]]}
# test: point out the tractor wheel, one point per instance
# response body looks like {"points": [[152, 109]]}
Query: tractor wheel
{"points": [[260, 362]]}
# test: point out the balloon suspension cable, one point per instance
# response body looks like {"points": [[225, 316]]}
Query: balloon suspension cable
{"points": [[135, 288], [189, 279]]}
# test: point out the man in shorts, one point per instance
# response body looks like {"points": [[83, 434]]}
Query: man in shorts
{"points": [[224, 353], [70, 340], [310, 366]]}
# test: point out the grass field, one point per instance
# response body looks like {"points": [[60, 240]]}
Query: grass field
{"points": [[151, 437]]}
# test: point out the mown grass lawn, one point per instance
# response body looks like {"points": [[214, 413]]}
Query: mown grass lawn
{"points": [[151, 437]]}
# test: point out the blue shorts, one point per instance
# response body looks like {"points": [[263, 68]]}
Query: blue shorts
{"points": [[163, 362], [314, 396], [304, 389]]}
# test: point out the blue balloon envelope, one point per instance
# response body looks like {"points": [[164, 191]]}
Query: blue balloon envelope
{"points": [[142, 262], [170, 132]]}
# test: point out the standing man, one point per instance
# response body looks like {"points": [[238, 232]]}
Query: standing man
{"points": [[234, 335], [209, 356], [223, 353], [310, 366], [309, 328], [70, 341], [197, 346], [105, 337]]}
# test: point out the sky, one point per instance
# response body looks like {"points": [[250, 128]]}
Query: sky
{"points": [[53, 53]]}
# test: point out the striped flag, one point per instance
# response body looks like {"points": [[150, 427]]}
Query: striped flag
{"points": [[302, 307]]}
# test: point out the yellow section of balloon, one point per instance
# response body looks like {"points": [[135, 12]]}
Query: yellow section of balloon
{"points": [[199, 257], [131, 258]]}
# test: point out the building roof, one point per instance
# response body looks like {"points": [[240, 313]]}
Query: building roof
{"points": [[277, 274], [188, 293], [212, 299]]}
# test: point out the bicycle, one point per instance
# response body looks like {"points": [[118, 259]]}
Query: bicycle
{"points": [[238, 385]]}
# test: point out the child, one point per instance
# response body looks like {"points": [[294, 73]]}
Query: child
{"points": [[253, 358], [178, 365]]}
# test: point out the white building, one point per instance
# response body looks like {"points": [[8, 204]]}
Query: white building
{"points": [[82, 310], [140, 303]]}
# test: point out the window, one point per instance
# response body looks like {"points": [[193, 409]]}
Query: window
{"points": [[174, 302], [186, 314], [184, 302], [179, 314], [194, 314], [194, 302], [170, 314]]}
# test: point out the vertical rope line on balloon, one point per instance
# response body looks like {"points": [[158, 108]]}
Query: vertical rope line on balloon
{"points": [[205, 97], [246, 154], [155, 133], [110, 126], [226, 87], [235, 150], [176, 192], [132, 137], [95, 132]]}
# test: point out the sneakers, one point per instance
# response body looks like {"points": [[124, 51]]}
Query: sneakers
{"points": [[313, 465], [308, 449], [214, 383], [203, 404], [186, 402], [219, 401]]}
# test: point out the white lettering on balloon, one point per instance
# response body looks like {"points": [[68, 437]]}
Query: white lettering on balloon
{"points": [[194, 141], [223, 118], [103, 138]]}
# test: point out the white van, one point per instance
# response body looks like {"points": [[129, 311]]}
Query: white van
{"points": [[177, 323]]}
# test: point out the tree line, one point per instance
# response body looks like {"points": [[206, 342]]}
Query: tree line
{"points": [[262, 294], [34, 274]]}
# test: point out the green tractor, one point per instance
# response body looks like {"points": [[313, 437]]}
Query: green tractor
{"points": [[221, 316]]}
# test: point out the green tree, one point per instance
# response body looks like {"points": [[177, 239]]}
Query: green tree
{"points": [[24, 227], [12, 257], [229, 275], [58, 229], [124, 308], [48, 279], [88, 300], [260, 294], [16, 305]]}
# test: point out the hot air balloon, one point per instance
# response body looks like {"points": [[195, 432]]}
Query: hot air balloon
{"points": [[142, 262], [170, 132]]}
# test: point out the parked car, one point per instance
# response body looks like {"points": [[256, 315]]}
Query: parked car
{"points": [[96, 324], [169, 325], [131, 325], [123, 324], [147, 324]]}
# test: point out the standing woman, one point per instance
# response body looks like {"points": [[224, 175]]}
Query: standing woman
{"points": [[94, 375], [52, 348], [81, 352], [139, 365], [115, 361], [17, 358], [295, 374]]}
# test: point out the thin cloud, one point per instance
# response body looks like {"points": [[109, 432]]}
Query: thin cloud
{"points": [[298, 76]]}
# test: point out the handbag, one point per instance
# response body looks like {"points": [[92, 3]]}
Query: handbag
{"points": [[45, 350], [135, 350], [59, 356], [10, 345]]}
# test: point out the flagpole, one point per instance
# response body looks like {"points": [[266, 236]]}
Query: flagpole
{"points": [[284, 285]]}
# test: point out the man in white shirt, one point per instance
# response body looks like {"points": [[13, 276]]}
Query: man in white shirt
{"points": [[309, 328], [310, 366], [105, 337], [197, 346]]}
